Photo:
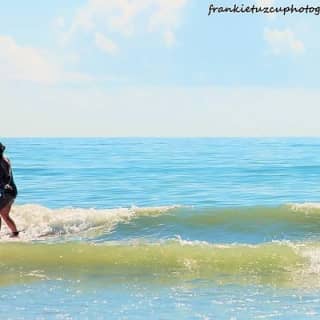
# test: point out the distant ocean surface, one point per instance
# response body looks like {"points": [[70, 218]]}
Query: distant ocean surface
{"points": [[145, 228]]}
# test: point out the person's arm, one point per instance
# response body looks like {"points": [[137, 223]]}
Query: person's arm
{"points": [[8, 172]]}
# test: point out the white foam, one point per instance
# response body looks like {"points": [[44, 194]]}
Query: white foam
{"points": [[183, 242], [312, 253], [153, 211], [38, 221], [306, 206]]}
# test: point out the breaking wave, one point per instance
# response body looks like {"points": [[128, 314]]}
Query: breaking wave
{"points": [[276, 263], [41, 222]]}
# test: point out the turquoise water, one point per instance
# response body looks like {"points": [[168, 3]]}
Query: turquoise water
{"points": [[163, 229]]}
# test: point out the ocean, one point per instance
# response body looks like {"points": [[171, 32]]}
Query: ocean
{"points": [[159, 228]]}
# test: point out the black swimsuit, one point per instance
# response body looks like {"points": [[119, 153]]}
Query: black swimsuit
{"points": [[7, 194]]}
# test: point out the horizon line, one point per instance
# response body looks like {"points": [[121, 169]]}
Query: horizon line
{"points": [[160, 137]]}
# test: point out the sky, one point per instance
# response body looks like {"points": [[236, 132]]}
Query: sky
{"points": [[157, 68]]}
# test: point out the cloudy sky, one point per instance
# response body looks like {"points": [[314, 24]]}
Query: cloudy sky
{"points": [[157, 68]]}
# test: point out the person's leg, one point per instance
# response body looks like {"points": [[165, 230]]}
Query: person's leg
{"points": [[4, 213]]}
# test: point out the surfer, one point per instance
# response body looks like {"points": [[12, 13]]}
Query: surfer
{"points": [[8, 192]]}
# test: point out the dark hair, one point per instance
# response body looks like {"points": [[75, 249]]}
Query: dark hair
{"points": [[2, 148]]}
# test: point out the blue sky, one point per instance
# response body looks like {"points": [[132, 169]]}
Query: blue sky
{"points": [[157, 68]]}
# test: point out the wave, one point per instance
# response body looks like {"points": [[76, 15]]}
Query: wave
{"points": [[275, 263], [40, 222], [289, 213]]}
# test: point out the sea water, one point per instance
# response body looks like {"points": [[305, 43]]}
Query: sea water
{"points": [[141, 228]]}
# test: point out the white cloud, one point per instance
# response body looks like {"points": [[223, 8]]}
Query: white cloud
{"points": [[105, 44], [25, 63], [283, 41], [128, 17], [166, 14], [31, 64]]}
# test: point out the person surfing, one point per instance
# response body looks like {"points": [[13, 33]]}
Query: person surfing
{"points": [[8, 192]]}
